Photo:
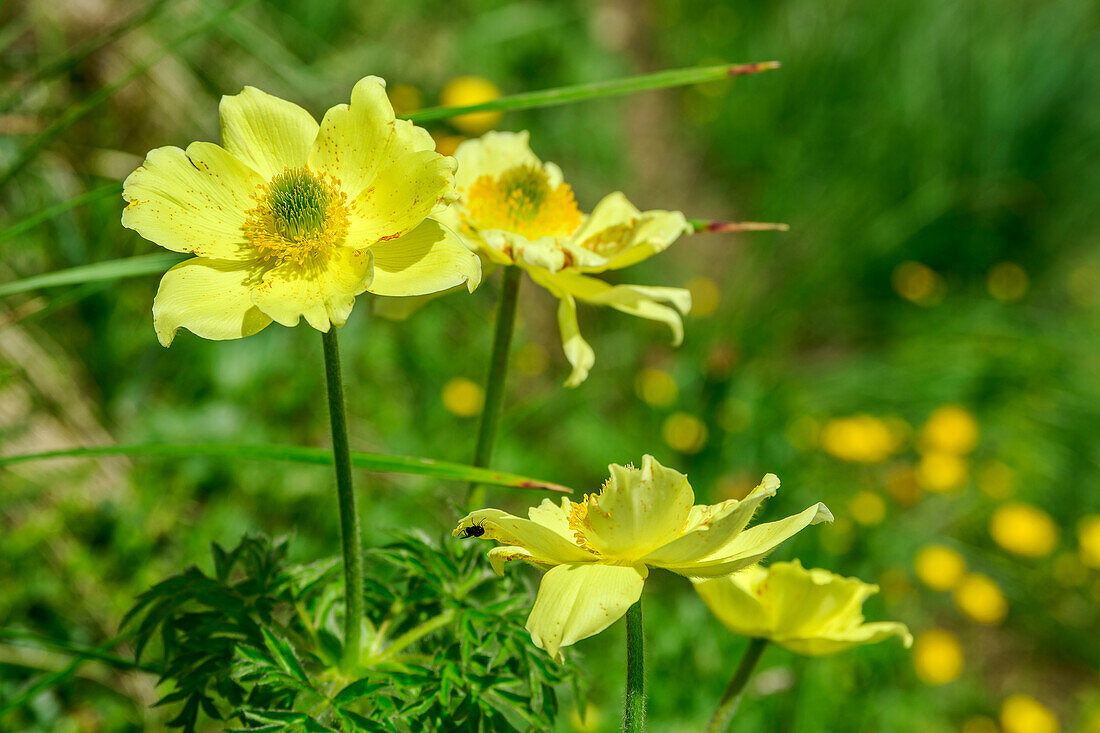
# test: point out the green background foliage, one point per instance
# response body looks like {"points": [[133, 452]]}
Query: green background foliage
{"points": [[959, 135]]}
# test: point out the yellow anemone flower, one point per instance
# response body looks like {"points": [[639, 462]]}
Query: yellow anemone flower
{"points": [[598, 551], [811, 612], [289, 218], [517, 210]]}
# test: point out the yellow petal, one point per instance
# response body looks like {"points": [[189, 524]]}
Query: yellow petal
{"points": [[192, 202], [621, 235], [210, 298], [388, 168], [733, 601], [709, 528], [748, 547], [428, 259], [492, 154], [322, 294], [577, 351], [578, 601], [839, 641], [545, 544], [638, 510], [506, 553], [807, 603], [267, 133]]}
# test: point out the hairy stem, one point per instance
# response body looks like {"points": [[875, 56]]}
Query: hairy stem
{"points": [[727, 706], [495, 379], [634, 704], [345, 493]]}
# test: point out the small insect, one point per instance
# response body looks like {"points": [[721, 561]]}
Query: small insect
{"points": [[474, 530]]}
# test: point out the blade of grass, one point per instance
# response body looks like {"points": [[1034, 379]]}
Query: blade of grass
{"points": [[99, 271], [79, 111], [380, 462], [111, 189], [597, 90]]}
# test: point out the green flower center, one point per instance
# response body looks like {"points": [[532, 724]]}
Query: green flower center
{"points": [[299, 203]]}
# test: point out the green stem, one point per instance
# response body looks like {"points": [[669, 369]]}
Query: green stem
{"points": [[349, 515], [634, 705], [495, 379], [727, 706]]}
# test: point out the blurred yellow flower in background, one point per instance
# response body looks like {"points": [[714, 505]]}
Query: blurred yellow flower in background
{"points": [[463, 91], [939, 567], [518, 211], [289, 219], [903, 486], [447, 144], [684, 433], [950, 429], [705, 296], [598, 551], [808, 611], [405, 98], [942, 472], [656, 387], [996, 480], [1007, 281], [979, 724], [937, 657], [463, 397], [859, 439], [867, 508], [918, 283], [1025, 714], [981, 599], [1023, 529], [1088, 540]]}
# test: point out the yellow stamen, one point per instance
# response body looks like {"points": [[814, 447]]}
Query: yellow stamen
{"points": [[521, 200], [300, 217]]}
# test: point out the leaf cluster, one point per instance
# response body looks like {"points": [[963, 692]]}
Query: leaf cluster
{"points": [[257, 643]]}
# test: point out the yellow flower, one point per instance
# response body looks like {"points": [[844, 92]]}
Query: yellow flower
{"points": [[867, 508], [859, 439], [1088, 538], [807, 611], [1023, 529], [981, 599], [942, 472], [599, 550], [463, 397], [517, 210], [1025, 714], [684, 432], [463, 91], [656, 387], [939, 567], [950, 429], [937, 657], [292, 219]]}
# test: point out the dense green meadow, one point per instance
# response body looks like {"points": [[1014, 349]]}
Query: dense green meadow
{"points": [[920, 351]]}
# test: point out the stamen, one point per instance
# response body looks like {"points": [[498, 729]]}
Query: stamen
{"points": [[521, 200], [299, 217]]}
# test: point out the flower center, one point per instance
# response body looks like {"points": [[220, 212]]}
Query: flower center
{"points": [[521, 200], [299, 217]]}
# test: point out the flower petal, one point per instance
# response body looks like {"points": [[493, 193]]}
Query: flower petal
{"points": [[210, 298], [323, 294], [748, 547], [577, 351], [733, 601], [839, 641], [492, 154], [621, 235], [810, 602], [428, 259], [388, 168], [545, 544], [578, 601], [711, 527], [267, 133], [638, 510], [192, 201]]}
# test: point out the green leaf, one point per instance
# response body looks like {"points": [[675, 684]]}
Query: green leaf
{"points": [[597, 90], [380, 462], [111, 189], [358, 689], [285, 657], [99, 271]]}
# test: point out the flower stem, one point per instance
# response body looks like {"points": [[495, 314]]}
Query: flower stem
{"points": [[634, 705], [349, 515], [727, 706], [495, 379]]}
